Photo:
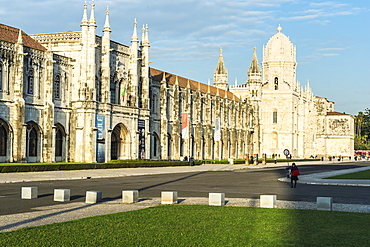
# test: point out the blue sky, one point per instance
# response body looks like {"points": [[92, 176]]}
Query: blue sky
{"points": [[332, 37]]}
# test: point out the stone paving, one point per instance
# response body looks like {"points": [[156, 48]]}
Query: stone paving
{"points": [[78, 210]]}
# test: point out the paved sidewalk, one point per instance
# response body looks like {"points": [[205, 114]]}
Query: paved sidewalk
{"points": [[317, 178], [122, 172], [320, 178]]}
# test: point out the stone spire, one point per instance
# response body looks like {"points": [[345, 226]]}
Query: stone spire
{"points": [[164, 77], [146, 36], [134, 66], [254, 68], [92, 20], [107, 23], [143, 33], [85, 21], [220, 69], [254, 72], [220, 77], [20, 39], [134, 34], [145, 68], [105, 65]]}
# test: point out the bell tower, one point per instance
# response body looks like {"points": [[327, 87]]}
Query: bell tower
{"points": [[220, 78]]}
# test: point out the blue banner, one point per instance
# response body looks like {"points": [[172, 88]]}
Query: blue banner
{"points": [[141, 129], [100, 125]]}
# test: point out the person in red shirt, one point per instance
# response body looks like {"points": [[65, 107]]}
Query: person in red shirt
{"points": [[294, 175]]}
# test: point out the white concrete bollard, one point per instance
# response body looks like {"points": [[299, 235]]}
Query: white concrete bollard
{"points": [[62, 195], [93, 196], [267, 201], [130, 196], [29, 193], [324, 203], [216, 199], [169, 197]]}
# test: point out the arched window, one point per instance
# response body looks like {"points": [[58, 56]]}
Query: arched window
{"points": [[57, 87], [30, 82], [3, 140], [155, 145], [274, 117], [59, 142], [168, 107], [276, 83], [32, 142], [154, 103], [112, 93], [114, 145]]}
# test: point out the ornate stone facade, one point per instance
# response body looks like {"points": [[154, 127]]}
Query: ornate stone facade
{"points": [[291, 117], [79, 97]]}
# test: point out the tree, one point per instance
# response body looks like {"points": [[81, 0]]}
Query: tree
{"points": [[362, 130]]}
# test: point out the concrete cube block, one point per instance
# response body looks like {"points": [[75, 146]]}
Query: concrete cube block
{"points": [[216, 199], [29, 193], [93, 196], [62, 195], [267, 201], [169, 197], [130, 196], [324, 203]]}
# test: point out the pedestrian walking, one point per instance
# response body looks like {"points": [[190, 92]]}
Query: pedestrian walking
{"points": [[294, 172]]}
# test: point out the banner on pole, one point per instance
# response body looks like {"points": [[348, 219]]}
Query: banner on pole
{"points": [[141, 129], [217, 129], [185, 125], [123, 94], [100, 144]]}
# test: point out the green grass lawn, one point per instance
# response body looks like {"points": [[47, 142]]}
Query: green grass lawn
{"points": [[185, 225], [355, 175]]}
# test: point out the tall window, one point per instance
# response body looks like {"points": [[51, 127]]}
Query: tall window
{"points": [[30, 82], [3, 140], [113, 93], [59, 143], [57, 87], [32, 142], [154, 103], [276, 83], [169, 106], [274, 117], [114, 146], [155, 144]]}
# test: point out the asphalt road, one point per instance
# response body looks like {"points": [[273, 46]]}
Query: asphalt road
{"points": [[246, 183]]}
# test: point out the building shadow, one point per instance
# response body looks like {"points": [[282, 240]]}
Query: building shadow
{"points": [[38, 218]]}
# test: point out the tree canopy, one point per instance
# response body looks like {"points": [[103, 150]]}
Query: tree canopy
{"points": [[362, 130]]}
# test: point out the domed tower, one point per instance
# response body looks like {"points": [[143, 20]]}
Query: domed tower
{"points": [[279, 63], [280, 103]]}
